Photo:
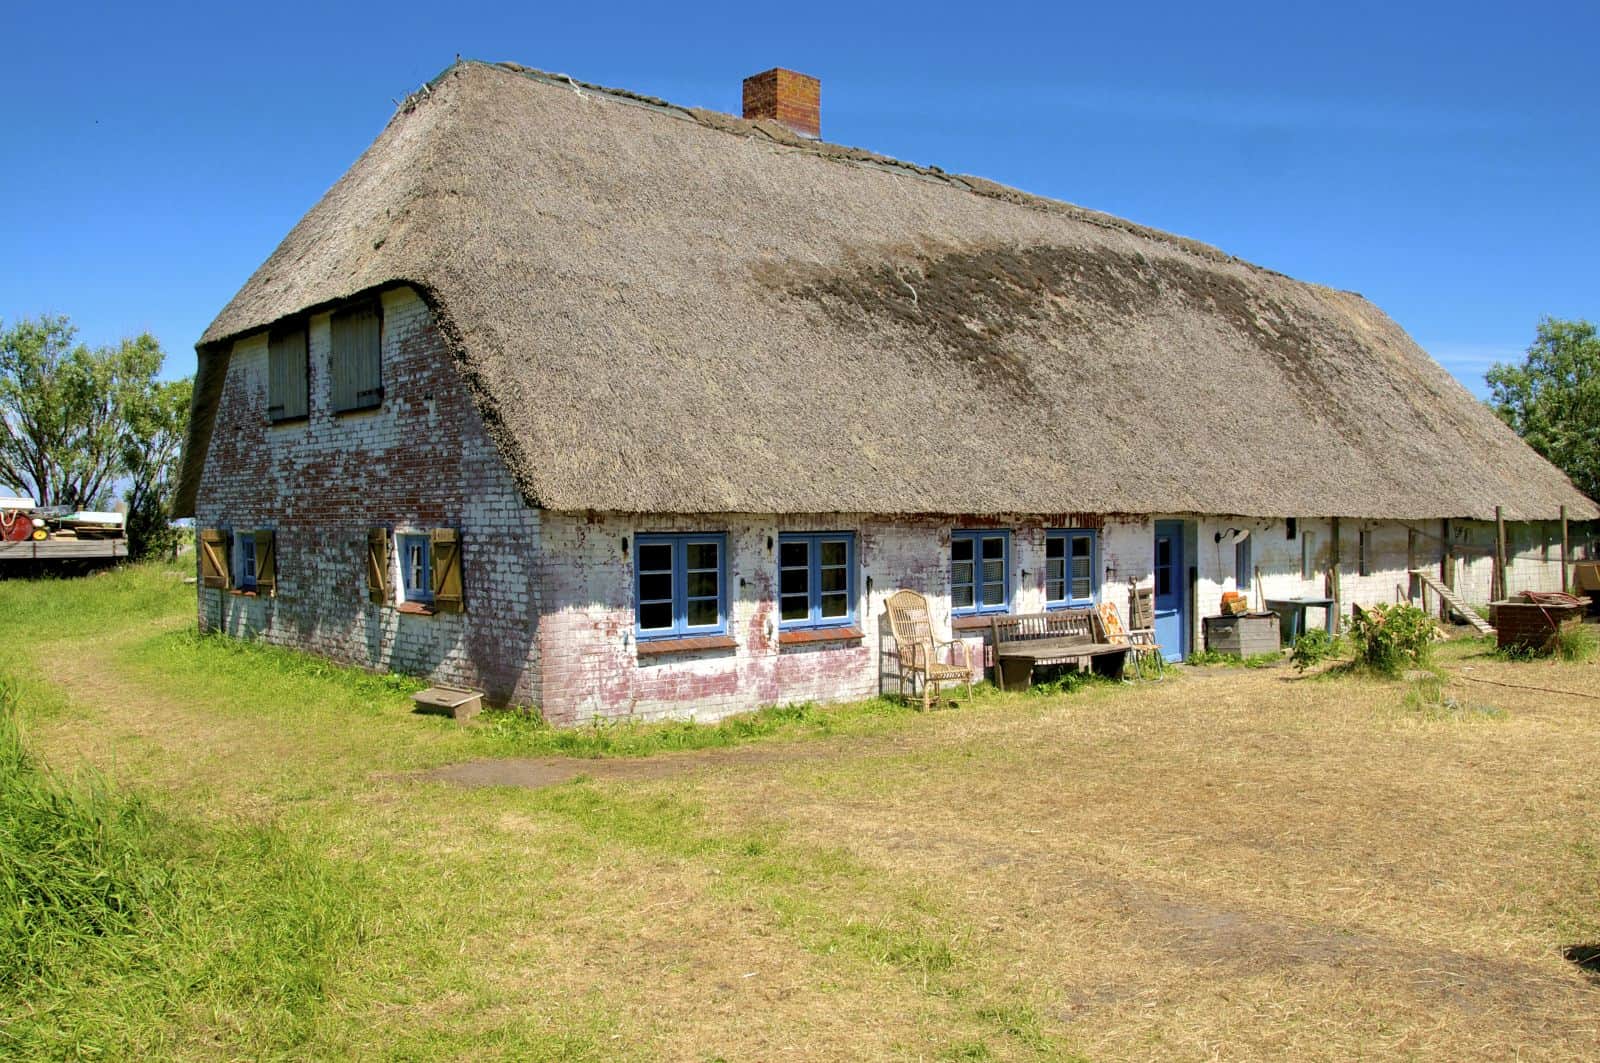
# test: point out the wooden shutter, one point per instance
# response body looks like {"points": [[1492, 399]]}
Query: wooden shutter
{"points": [[266, 564], [214, 569], [378, 565], [447, 570], [357, 369], [287, 392]]}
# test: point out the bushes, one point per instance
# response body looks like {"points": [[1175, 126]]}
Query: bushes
{"points": [[1390, 638], [1312, 648]]}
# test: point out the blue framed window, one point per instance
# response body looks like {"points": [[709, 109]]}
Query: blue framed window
{"points": [[416, 566], [980, 572], [816, 580], [680, 585], [1069, 566], [244, 546]]}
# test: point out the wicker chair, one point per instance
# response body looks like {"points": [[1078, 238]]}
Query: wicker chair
{"points": [[1141, 637], [917, 649]]}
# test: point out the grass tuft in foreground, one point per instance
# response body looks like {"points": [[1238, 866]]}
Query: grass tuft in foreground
{"points": [[72, 866], [112, 918]]}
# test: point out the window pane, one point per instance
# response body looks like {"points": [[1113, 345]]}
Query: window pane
{"points": [[655, 557], [796, 607], [961, 549], [994, 546], [1055, 570], [702, 555], [1082, 588], [1055, 590], [703, 612], [655, 616], [834, 551], [961, 574], [793, 553], [1080, 568], [835, 605], [794, 581], [1080, 546], [833, 579], [994, 594], [961, 596], [994, 571], [702, 584], [1163, 581], [655, 586], [1055, 546]]}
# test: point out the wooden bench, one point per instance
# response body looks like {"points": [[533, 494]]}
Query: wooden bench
{"points": [[1064, 636]]}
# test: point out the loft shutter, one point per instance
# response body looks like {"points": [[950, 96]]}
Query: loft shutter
{"points": [[447, 570], [287, 392], [378, 565], [213, 558], [357, 370], [266, 564]]}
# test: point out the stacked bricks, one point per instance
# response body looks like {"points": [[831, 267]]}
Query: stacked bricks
{"points": [[784, 96]]}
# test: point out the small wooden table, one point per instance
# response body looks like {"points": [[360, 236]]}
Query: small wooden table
{"points": [[1292, 614]]}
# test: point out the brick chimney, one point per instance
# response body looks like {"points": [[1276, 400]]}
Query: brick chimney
{"points": [[783, 96]]}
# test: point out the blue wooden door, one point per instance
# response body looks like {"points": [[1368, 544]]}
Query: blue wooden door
{"points": [[1171, 599]]}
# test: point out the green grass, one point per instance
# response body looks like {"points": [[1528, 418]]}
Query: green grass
{"points": [[115, 917], [1426, 698], [512, 732], [1215, 658]]}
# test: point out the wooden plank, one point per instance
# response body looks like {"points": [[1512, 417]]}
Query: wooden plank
{"points": [[1332, 590], [1453, 604]]}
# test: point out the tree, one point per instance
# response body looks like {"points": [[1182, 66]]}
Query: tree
{"points": [[76, 423], [152, 444], [1552, 399], [63, 410]]}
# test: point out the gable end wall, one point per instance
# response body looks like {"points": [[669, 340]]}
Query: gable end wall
{"points": [[422, 460]]}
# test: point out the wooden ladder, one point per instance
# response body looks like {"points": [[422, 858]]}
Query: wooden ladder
{"points": [[1457, 606]]}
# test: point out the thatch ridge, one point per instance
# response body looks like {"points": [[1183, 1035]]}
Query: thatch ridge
{"points": [[662, 309]]}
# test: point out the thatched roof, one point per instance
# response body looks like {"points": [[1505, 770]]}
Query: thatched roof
{"points": [[665, 310]]}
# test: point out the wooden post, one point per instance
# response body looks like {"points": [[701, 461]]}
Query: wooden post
{"points": [[1333, 575], [1566, 553], [1447, 566], [1499, 584], [1411, 566]]}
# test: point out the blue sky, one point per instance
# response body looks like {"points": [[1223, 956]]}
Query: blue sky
{"points": [[1441, 159]]}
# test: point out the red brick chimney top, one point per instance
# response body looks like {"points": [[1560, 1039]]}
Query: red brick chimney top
{"points": [[786, 97]]}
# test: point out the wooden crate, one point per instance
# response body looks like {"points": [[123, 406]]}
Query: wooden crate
{"points": [[1247, 635]]}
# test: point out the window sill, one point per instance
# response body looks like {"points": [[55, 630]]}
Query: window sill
{"points": [[240, 593], [804, 636], [278, 421], [359, 409], [415, 609], [655, 647], [976, 623]]}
